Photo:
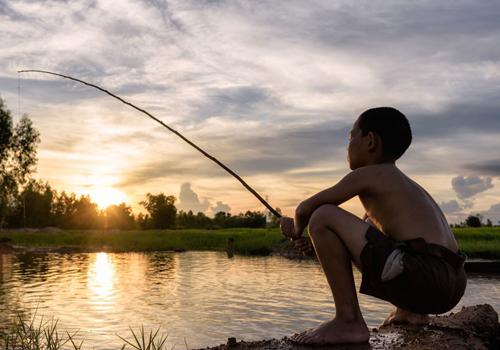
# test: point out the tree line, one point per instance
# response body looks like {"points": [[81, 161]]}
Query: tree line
{"points": [[26, 202], [42, 206], [477, 220]]}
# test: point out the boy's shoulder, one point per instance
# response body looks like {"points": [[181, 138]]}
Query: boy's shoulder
{"points": [[380, 178], [372, 172]]}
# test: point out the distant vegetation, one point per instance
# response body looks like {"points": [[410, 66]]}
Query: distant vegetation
{"points": [[26, 202], [246, 241], [38, 206], [477, 220], [480, 242], [483, 242]]}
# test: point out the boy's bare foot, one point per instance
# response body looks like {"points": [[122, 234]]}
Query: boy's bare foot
{"points": [[400, 316], [334, 332]]}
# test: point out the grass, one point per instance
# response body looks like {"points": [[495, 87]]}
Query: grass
{"points": [[481, 242], [246, 241], [35, 333]]}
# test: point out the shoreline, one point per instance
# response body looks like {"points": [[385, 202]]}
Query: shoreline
{"points": [[471, 265], [479, 245]]}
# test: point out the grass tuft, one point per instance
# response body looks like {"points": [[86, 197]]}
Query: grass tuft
{"points": [[36, 333]]}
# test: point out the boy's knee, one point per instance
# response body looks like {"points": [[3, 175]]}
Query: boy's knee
{"points": [[319, 218]]}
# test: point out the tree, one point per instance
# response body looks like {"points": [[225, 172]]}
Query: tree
{"points": [[273, 220], [63, 209], [120, 217], [161, 209], [18, 144], [254, 219], [143, 221], [473, 221], [249, 219], [34, 207], [186, 220], [86, 215], [7, 182]]}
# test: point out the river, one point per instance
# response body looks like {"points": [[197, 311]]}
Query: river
{"points": [[200, 298]]}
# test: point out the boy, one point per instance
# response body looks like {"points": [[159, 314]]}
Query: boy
{"points": [[406, 253]]}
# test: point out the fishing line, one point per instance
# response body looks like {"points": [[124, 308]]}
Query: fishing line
{"points": [[19, 94], [247, 186]]}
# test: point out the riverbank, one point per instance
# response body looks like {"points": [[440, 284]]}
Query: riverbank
{"points": [[474, 327], [476, 243]]}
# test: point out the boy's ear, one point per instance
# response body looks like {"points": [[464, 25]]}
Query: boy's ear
{"points": [[372, 140]]}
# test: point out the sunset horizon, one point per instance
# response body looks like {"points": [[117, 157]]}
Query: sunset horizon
{"points": [[231, 79]]}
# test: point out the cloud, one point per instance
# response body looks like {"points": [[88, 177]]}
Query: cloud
{"points": [[219, 206], [493, 213], [165, 169], [451, 207], [489, 167], [189, 200], [469, 186], [271, 96]]}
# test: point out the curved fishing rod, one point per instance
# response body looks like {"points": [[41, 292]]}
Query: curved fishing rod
{"points": [[247, 186]]}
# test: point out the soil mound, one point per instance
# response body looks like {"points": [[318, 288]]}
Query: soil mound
{"points": [[474, 327]]}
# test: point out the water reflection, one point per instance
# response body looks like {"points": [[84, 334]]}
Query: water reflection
{"points": [[100, 280], [202, 296]]}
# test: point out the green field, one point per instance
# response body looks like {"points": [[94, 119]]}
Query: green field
{"points": [[475, 242], [483, 242], [247, 241]]}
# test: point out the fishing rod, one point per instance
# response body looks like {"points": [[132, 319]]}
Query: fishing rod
{"points": [[247, 186]]}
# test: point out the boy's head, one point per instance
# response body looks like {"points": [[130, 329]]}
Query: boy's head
{"points": [[379, 135]]}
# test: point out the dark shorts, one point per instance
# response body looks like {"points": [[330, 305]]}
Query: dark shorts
{"points": [[433, 280]]}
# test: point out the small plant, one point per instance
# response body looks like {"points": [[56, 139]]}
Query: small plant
{"points": [[143, 342], [35, 333]]}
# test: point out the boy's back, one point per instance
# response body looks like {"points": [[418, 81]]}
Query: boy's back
{"points": [[390, 191]]}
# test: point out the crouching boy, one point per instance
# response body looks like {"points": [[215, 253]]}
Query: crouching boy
{"points": [[404, 249]]}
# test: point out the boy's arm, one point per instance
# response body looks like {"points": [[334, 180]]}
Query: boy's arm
{"points": [[354, 183]]}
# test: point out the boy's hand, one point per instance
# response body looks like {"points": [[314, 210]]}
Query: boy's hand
{"points": [[304, 244], [287, 227], [303, 213]]}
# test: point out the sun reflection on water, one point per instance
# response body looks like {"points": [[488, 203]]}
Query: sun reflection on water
{"points": [[100, 279]]}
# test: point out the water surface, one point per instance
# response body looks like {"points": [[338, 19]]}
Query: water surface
{"points": [[202, 297]]}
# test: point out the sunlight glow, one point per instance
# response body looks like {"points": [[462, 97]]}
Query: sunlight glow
{"points": [[105, 197]]}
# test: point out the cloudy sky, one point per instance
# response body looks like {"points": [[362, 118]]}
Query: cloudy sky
{"points": [[271, 88]]}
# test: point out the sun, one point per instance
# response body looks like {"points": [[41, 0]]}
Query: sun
{"points": [[106, 196]]}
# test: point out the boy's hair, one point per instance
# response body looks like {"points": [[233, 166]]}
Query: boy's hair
{"points": [[391, 125]]}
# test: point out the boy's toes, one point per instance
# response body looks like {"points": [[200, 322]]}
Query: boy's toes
{"points": [[297, 337], [308, 339], [301, 338]]}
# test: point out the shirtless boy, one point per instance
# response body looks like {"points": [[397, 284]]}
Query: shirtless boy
{"points": [[404, 248]]}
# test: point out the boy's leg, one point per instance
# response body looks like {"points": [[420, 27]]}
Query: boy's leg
{"points": [[338, 238]]}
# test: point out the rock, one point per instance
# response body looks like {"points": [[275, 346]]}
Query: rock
{"points": [[51, 229], [286, 249], [473, 328], [5, 245], [66, 250]]}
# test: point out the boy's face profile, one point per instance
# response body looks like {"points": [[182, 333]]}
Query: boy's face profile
{"points": [[355, 147]]}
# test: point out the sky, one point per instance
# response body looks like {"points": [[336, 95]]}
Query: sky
{"points": [[270, 88]]}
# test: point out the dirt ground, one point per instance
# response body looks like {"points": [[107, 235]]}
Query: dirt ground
{"points": [[473, 328]]}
